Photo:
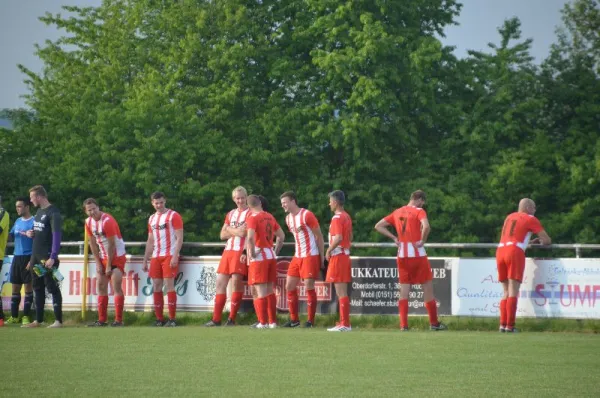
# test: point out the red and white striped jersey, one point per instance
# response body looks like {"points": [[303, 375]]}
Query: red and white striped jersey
{"points": [[301, 226], [407, 221], [236, 218], [517, 230], [103, 229], [162, 226]]}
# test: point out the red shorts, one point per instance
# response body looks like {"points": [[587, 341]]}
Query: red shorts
{"points": [[414, 270], [230, 263], [118, 262], [510, 262], [305, 267], [262, 272], [160, 268], [340, 269]]}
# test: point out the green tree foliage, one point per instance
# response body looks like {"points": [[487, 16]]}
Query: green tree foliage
{"points": [[195, 97]]}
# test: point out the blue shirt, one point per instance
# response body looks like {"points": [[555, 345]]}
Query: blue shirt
{"points": [[22, 242]]}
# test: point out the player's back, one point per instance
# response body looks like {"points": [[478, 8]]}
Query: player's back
{"points": [[265, 227], [407, 221], [518, 228]]}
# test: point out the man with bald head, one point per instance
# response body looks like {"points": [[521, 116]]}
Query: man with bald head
{"points": [[510, 257]]}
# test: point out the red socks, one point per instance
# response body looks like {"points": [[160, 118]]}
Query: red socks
{"points": [[503, 313], [403, 310], [219, 304], [159, 303], [236, 303], [344, 303], [260, 307], [272, 307], [312, 305], [292, 297], [172, 297], [511, 312], [119, 304], [432, 312], [102, 308]]}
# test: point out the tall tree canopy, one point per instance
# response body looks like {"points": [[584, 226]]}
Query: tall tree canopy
{"points": [[195, 97]]}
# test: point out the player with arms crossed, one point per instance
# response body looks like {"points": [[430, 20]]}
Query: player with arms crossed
{"points": [[108, 249], [510, 257], [308, 258], [262, 228], [339, 271], [165, 238], [47, 235], [231, 265], [412, 229], [19, 273]]}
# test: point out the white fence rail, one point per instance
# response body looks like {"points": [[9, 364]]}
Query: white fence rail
{"points": [[577, 247]]}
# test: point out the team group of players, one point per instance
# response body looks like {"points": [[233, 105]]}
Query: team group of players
{"points": [[254, 239]]}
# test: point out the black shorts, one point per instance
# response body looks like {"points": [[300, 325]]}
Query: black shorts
{"points": [[18, 273], [46, 281]]}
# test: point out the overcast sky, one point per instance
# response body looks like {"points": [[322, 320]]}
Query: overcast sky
{"points": [[20, 30]]}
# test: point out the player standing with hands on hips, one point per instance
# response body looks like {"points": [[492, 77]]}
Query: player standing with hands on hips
{"points": [[339, 271], [412, 229]]}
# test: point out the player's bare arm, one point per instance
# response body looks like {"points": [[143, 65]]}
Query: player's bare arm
{"points": [[148, 251], [111, 249], [96, 252], [320, 244], [382, 228], [250, 241], [542, 238], [230, 232], [178, 245], [225, 234], [279, 237], [425, 229], [335, 242]]}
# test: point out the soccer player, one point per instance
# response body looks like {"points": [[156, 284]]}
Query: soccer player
{"points": [[339, 271], [4, 224], [308, 258], [165, 238], [47, 235], [108, 249], [262, 228], [19, 273], [231, 265], [412, 229], [510, 257]]}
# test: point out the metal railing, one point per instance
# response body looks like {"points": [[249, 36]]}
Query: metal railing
{"points": [[578, 247]]}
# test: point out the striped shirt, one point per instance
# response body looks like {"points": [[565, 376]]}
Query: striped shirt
{"points": [[162, 226], [301, 226], [103, 229], [236, 218], [407, 221]]}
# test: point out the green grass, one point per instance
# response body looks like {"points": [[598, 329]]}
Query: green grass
{"points": [[455, 323], [196, 361]]}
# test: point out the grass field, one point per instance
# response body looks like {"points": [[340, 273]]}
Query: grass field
{"points": [[196, 361]]}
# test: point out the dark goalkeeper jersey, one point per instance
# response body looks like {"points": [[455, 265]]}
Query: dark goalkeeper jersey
{"points": [[47, 221]]}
